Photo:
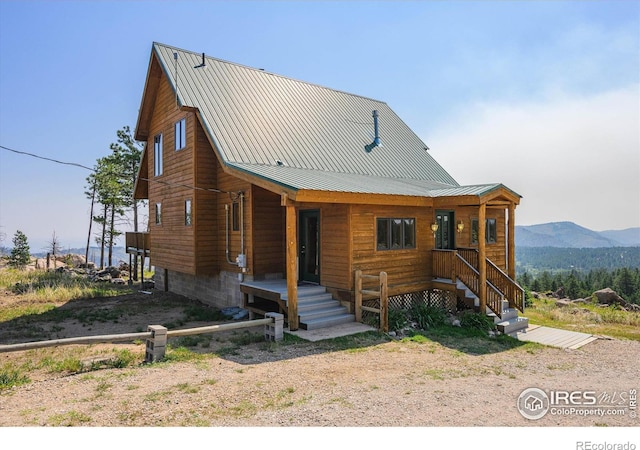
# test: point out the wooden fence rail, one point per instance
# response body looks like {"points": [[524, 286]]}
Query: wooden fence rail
{"points": [[370, 294], [157, 335]]}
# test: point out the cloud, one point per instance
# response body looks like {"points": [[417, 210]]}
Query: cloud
{"points": [[571, 158]]}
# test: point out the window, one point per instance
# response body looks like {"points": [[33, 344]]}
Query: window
{"points": [[187, 212], [181, 133], [158, 213], [491, 231], [395, 234], [157, 155]]}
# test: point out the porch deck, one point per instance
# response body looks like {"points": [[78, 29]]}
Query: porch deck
{"points": [[275, 289]]}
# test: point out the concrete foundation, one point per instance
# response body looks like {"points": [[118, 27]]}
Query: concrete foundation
{"points": [[221, 290]]}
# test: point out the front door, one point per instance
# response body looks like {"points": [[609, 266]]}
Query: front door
{"points": [[445, 233], [309, 248]]}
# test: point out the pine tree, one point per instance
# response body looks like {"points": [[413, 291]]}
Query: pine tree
{"points": [[20, 255]]}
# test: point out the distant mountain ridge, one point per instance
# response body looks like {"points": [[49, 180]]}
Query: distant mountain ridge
{"points": [[571, 235]]}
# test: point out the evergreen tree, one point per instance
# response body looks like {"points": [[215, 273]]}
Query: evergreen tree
{"points": [[20, 255]]}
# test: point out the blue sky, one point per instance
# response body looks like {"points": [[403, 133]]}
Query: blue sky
{"points": [[541, 96]]}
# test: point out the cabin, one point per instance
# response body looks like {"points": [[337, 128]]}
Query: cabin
{"points": [[272, 194]]}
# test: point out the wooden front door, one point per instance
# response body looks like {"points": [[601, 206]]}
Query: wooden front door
{"points": [[309, 246], [445, 235]]}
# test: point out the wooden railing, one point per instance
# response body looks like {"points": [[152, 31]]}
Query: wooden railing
{"points": [[137, 243], [463, 265], [509, 288], [369, 294]]}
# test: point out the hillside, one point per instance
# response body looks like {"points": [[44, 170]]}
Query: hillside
{"points": [[571, 235]]}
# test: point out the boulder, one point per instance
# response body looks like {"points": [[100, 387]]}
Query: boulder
{"points": [[560, 293], [563, 302], [608, 296]]}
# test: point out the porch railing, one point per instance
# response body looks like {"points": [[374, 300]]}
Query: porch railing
{"points": [[137, 243], [463, 265]]}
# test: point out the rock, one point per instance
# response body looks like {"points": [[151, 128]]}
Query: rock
{"points": [[560, 293], [580, 300], [392, 333], [456, 323], [563, 302], [608, 296], [118, 281]]}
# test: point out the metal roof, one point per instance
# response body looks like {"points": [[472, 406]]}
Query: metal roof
{"points": [[303, 136], [315, 180], [260, 122]]}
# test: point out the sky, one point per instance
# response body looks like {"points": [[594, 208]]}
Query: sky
{"points": [[542, 96]]}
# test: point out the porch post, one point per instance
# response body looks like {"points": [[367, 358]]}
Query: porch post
{"points": [[292, 272], [511, 249], [482, 257]]}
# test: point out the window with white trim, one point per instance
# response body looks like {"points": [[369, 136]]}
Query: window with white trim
{"points": [[157, 155], [187, 212], [181, 133]]}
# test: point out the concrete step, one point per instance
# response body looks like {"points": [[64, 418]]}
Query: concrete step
{"points": [[308, 306], [306, 292], [512, 325], [325, 322], [306, 316], [326, 297]]}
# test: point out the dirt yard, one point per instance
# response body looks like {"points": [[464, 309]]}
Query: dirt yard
{"points": [[371, 380]]}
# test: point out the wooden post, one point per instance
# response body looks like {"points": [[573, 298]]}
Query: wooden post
{"points": [[384, 302], [511, 249], [292, 272], [482, 257], [358, 296]]}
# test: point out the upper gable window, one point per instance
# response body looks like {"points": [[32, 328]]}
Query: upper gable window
{"points": [[157, 155], [181, 133]]}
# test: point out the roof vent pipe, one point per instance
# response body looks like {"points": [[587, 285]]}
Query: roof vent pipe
{"points": [[201, 64], [376, 139]]}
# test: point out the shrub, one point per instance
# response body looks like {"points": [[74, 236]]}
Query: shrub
{"points": [[427, 316], [478, 321], [397, 319]]}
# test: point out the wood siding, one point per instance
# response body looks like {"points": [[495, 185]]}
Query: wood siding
{"points": [[172, 241], [496, 252], [268, 234], [402, 266]]}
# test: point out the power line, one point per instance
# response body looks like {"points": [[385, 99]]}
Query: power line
{"points": [[166, 183], [47, 159]]}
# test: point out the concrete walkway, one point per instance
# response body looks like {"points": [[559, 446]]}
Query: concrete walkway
{"points": [[553, 337], [319, 334]]}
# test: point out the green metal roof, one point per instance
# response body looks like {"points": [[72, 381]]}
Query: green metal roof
{"points": [[301, 135]]}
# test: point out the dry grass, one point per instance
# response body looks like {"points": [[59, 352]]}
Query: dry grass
{"points": [[587, 318]]}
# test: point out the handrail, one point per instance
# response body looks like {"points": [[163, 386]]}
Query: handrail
{"points": [[509, 288], [506, 285]]}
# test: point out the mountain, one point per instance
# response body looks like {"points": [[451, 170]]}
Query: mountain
{"points": [[571, 235], [629, 237]]}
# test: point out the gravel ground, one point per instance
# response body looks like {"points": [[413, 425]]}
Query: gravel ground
{"points": [[374, 382]]}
